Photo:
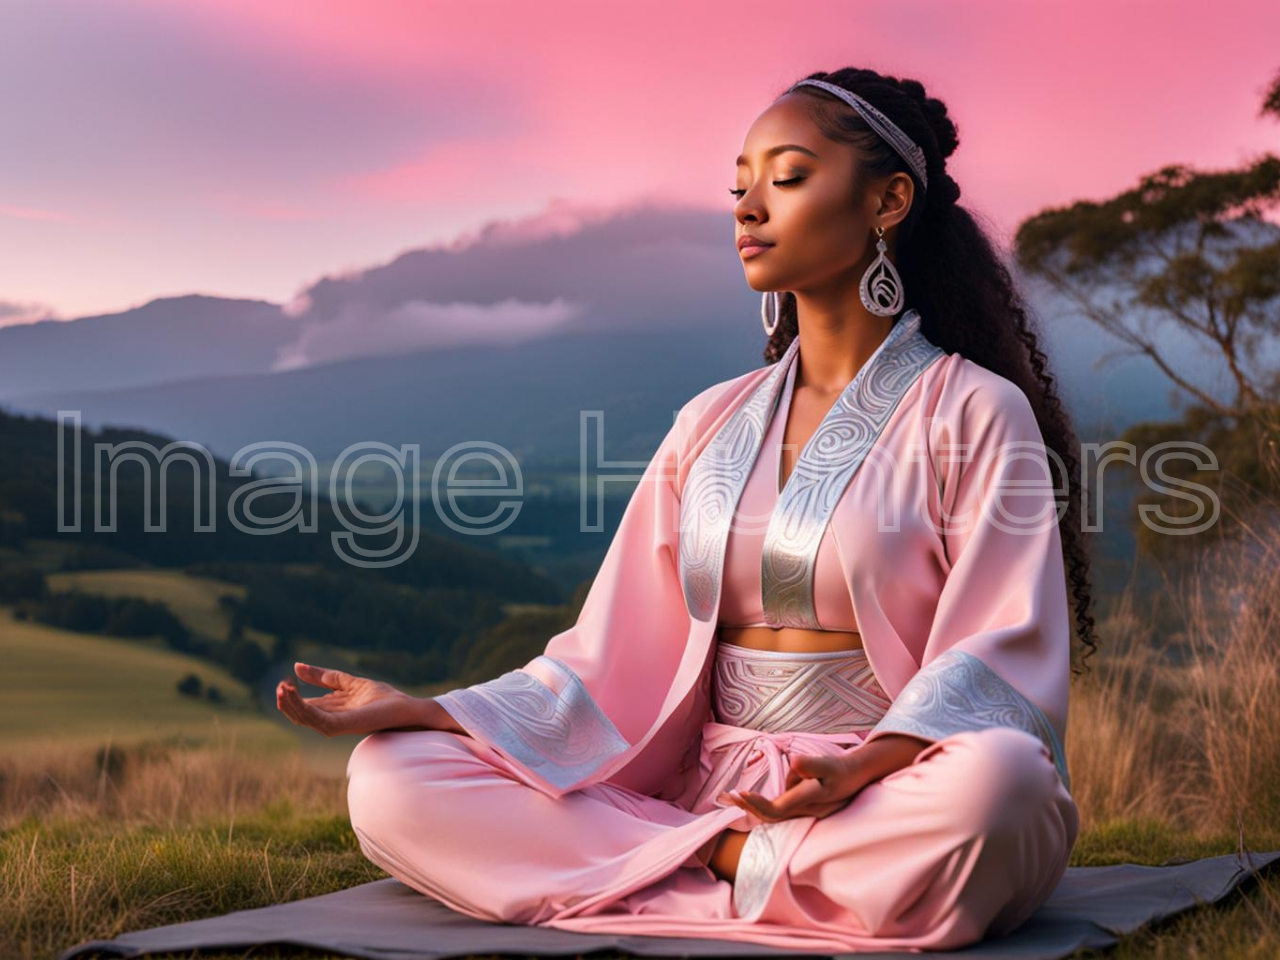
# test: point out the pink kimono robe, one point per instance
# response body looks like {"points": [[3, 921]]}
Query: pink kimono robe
{"points": [[584, 797]]}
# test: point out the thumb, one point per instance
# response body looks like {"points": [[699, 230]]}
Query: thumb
{"points": [[809, 765]]}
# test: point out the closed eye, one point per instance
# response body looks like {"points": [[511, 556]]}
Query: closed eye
{"points": [[777, 183]]}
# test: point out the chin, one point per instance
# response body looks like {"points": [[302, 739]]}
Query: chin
{"points": [[762, 283]]}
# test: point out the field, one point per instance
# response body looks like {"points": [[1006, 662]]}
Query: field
{"points": [[193, 600], [196, 811], [62, 690]]}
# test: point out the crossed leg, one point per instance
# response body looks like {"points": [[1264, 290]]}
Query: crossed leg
{"points": [[968, 839], [727, 853], [434, 809]]}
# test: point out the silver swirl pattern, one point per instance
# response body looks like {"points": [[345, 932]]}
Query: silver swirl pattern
{"points": [[826, 465], [759, 864], [562, 736], [714, 487], [780, 691], [824, 468], [958, 691]]}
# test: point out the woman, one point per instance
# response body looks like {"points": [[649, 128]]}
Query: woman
{"points": [[811, 701]]}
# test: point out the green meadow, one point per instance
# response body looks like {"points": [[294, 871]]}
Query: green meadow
{"points": [[62, 689], [193, 599]]}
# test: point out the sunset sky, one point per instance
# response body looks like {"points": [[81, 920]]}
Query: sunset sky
{"points": [[246, 148]]}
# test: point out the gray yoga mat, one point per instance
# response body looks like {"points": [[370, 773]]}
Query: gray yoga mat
{"points": [[386, 920]]}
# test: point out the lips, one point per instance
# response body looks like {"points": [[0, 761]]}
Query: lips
{"points": [[746, 240]]}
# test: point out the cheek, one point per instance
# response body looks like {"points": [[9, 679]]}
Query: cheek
{"points": [[824, 237], [828, 218]]}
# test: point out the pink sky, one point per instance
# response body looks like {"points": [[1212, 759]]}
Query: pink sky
{"points": [[245, 148]]}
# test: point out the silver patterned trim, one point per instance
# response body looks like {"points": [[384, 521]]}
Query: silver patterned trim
{"points": [[560, 732], [823, 470], [714, 486], [958, 691], [759, 864]]}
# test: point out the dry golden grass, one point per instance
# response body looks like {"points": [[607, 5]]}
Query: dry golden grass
{"points": [[1173, 744], [1186, 730]]}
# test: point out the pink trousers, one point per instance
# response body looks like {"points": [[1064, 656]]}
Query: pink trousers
{"points": [[964, 843]]}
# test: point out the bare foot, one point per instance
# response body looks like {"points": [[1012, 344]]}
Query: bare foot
{"points": [[725, 856]]}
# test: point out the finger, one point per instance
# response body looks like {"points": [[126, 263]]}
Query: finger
{"points": [[320, 676], [289, 704], [734, 797], [307, 715], [817, 810], [805, 793], [284, 703], [808, 765], [754, 809]]}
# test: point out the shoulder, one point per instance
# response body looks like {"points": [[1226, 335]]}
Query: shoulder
{"points": [[964, 382], [972, 400], [702, 416], [710, 404]]}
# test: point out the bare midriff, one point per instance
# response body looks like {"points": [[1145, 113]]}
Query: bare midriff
{"points": [[790, 639]]}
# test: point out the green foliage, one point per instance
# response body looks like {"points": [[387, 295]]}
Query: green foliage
{"points": [[114, 616], [246, 661], [1195, 253], [21, 583], [1184, 249], [418, 621], [29, 481], [1244, 474], [190, 685]]}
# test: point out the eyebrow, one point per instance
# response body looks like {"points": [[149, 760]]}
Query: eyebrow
{"points": [[781, 148]]}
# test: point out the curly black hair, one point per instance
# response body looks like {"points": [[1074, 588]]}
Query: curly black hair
{"points": [[955, 278]]}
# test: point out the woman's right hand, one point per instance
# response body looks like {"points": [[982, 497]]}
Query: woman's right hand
{"points": [[357, 705]]}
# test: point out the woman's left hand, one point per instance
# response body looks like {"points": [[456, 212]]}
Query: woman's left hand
{"points": [[817, 786]]}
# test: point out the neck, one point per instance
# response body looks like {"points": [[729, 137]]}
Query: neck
{"points": [[836, 341]]}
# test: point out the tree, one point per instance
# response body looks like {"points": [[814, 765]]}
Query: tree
{"points": [[1194, 254], [246, 661], [190, 685], [1184, 248]]}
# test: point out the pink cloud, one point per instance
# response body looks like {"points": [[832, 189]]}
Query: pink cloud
{"points": [[31, 213], [367, 330]]}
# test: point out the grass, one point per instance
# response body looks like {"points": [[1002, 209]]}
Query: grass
{"points": [[60, 690], [181, 834], [1172, 757]]}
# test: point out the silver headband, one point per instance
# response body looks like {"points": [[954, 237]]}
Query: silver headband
{"points": [[889, 131]]}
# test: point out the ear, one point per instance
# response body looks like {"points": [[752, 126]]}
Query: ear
{"points": [[896, 197]]}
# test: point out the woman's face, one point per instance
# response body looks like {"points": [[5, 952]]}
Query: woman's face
{"points": [[803, 202]]}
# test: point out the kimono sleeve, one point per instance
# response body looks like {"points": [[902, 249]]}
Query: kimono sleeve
{"points": [[998, 649], [571, 715]]}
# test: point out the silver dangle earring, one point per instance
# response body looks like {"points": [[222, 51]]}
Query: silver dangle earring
{"points": [[881, 287], [770, 312]]}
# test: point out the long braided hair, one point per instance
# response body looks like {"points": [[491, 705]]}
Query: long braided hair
{"points": [[965, 294]]}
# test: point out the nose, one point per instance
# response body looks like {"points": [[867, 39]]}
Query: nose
{"points": [[749, 210]]}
